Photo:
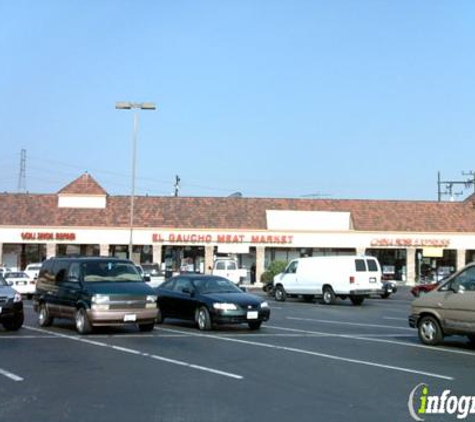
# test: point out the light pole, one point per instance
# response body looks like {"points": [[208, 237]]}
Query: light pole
{"points": [[136, 107]]}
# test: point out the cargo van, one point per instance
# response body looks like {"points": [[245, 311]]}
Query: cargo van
{"points": [[329, 277]]}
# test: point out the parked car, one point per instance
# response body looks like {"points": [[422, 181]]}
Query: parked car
{"points": [[421, 289], [209, 300], [4, 269], [157, 276], [21, 282], [33, 270], [94, 292], [329, 277], [11, 307], [446, 310], [229, 268], [389, 287]]}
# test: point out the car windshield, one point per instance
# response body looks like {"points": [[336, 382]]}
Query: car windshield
{"points": [[109, 271], [151, 268], [215, 285], [2, 281], [16, 275]]}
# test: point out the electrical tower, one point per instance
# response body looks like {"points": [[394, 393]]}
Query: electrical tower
{"points": [[449, 185], [22, 174]]}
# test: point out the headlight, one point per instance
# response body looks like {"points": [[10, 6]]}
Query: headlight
{"points": [[17, 298], [151, 298], [264, 305], [100, 299], [225, 306]]}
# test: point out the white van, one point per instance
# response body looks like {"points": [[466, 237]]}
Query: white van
{"points": [[228, 268], [330, 277]]}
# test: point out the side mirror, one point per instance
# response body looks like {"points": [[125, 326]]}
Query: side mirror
{"points": [[188, 291], [244, 289], [456, 288]]}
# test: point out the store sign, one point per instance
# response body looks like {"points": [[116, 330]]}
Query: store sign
{"points": [[44, 236], [221, 238], [407, 242]]}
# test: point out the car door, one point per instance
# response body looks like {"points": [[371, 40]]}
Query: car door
{"points": [[183, 301], [61, 269], [457, 300], [165, 297], [289, 277], [69, 288]]}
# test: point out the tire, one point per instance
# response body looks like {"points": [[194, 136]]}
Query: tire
{"points": [[44, 317], [328, 296], [146, 327], [203, 319], [429, 331], [385, 295], [159, 319], [254, 325], [357, 300], [13, 324], [83, 326], [280, 294]]}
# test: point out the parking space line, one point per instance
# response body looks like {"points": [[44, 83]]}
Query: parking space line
{"points": [[395, 318], [377, 340], [10, 375], [138, 353], [357, 324], [317, 354]]}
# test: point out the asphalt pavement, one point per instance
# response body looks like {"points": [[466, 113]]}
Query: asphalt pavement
{"points": [[310, 362]]}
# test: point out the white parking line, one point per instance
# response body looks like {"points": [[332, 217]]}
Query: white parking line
{"points": [[138, 353], [317, 354], [395, 318], [10, 375], [357, 324], [377, 340]]}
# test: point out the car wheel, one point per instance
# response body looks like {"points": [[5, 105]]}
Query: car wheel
{"points": [[146, 327], [83, 326], [429, 331], [356, 300], [159, 318], [44, 317], [13, 324], [328, 296], [203, 319], [254, 325], [280, 294], [385, 295]]}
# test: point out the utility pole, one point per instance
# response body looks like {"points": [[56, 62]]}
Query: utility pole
{"points": [[177, 185], [449, 185], [22, 174]]}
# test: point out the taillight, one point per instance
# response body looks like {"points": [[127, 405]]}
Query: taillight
{"points": [[352, 279]]}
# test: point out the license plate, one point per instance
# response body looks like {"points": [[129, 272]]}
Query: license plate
{"points": [[21, 283], [130, 318], [252, 315], [372, 280]]}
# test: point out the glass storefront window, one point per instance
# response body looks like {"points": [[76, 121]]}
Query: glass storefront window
{"points": [[393, 263]]}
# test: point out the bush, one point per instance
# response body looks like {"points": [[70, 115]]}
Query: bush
{"points": [[274, 268]]}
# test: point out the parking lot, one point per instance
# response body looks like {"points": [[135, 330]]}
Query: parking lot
{"points": [[309, 362]]}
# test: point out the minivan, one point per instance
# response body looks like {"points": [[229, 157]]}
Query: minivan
{"points": [[330, 277], [448, 309], [94, 291]]}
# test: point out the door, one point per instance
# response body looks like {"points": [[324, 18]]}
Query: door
{"points": [[289, 277], [69, 290], [182, 299], [457, 301]]}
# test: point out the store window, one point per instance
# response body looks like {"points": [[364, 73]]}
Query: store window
{"points": [[393, 263], [77, 250], [434, 265]]}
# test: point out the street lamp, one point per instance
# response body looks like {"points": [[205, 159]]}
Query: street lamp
{"points": [[125, 105]]}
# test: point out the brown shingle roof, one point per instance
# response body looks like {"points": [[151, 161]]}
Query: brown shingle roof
{"points": [[83, 185], [235, 213]]}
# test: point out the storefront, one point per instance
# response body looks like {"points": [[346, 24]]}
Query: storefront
{"points": [[414, 241]]}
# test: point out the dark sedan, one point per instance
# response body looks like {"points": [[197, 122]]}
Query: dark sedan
{"points": [[209, 300], [11, 307]]}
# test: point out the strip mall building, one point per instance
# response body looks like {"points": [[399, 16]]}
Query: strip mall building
{"points": [[412, 239]]}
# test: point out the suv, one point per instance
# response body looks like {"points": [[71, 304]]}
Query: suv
{"points": [[11, 307], [94, 292], [446, 310]]}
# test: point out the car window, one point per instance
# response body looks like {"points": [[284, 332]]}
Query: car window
{"points": [[168, 285], [292, 268], [2, 281], [74, 271], [360, 265], [215, 285], [182, 283], [60, 269], [220, 265], [466, 280], [372, 265], [109, 271], [231, 265]]}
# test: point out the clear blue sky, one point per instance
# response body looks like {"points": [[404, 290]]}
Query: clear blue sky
{"points": [[353, 99]]}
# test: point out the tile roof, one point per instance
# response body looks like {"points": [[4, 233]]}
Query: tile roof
{"points": [[25, 210], [83, 185]]}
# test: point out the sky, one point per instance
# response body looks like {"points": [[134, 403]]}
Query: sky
{"points": [[338, 99]]}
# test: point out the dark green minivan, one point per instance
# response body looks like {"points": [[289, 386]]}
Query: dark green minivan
{"points": [[94, 291]]}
